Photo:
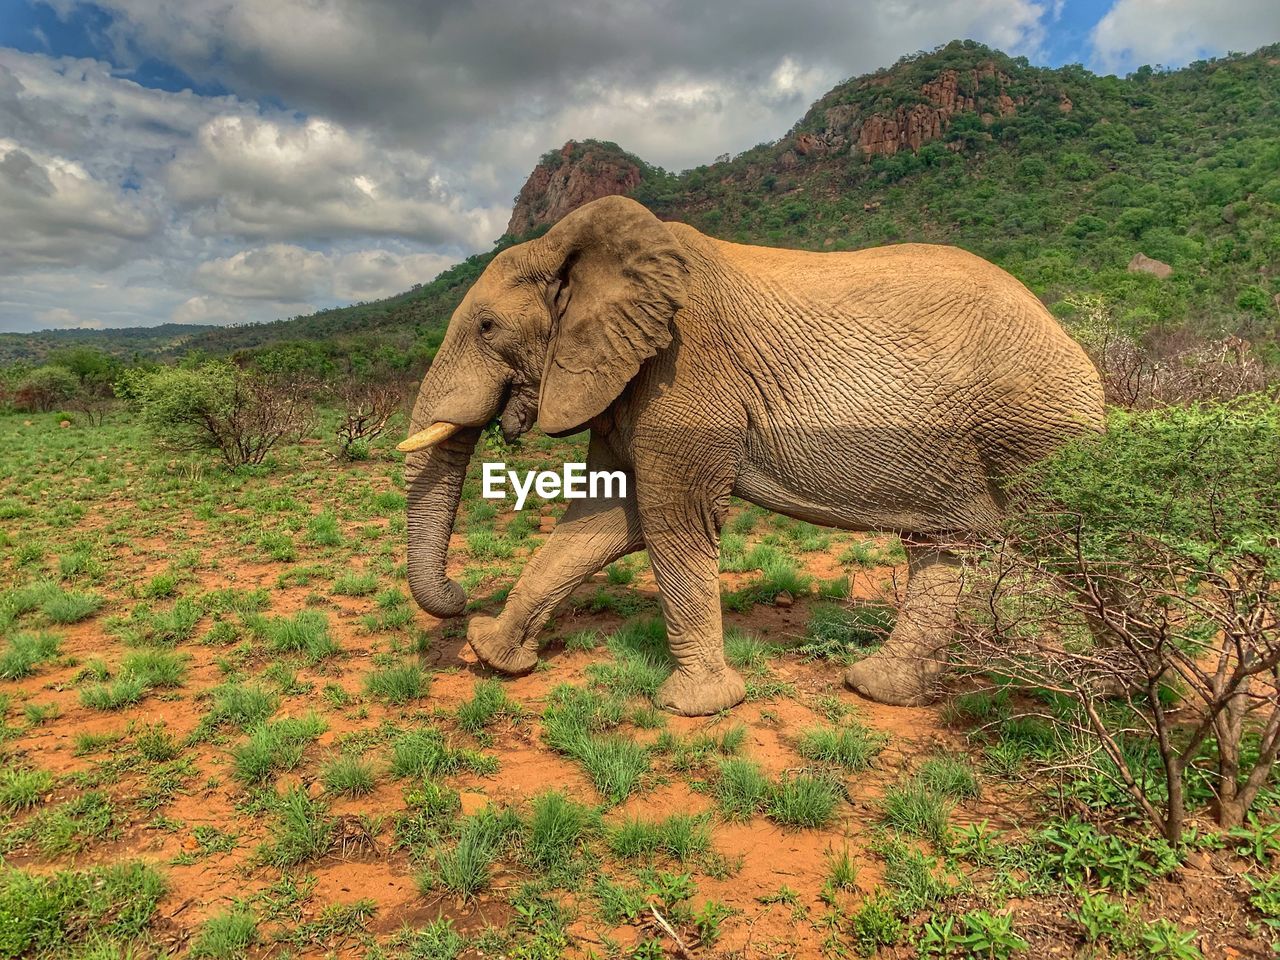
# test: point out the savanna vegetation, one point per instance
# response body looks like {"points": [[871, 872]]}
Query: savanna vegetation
{"points": [[228, 732]]}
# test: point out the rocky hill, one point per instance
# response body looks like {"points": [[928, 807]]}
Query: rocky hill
{"points": [[567, 178], [1159, 192]]}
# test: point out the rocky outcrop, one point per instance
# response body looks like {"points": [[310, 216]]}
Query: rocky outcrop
{"points": [[1141, 263], [565, 179], [980, 90], [911, 127]]}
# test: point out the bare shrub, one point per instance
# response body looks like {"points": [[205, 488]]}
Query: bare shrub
{"points": [[94, 402], [1137, 591], [367, 407], [1138, 377]]}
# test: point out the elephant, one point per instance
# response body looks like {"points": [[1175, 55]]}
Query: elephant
{"points": [[890, 389]]}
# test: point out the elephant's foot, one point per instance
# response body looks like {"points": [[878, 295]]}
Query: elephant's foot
{"points": [[496, 650], [902, 678], [700, 694]]}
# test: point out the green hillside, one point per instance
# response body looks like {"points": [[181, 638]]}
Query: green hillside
{"points": [[1058, 175]]}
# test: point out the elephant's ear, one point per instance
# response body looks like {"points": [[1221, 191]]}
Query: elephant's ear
{"points": [[616, 278]]}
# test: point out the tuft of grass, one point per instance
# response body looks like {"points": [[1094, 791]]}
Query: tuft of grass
{"points": [[916, 878], [323, 530], [836, 632], [949, 777], [240, 705], [746, 651], [164, 628], [464, 870], [155, 743], [26, 651], [348, 774], [155, 668], [917, 811], [488, 702], [487, 545], [582, 640], [140, 673], [681, 836], [306, 632], [22, 789], [398, 684], [53, 914], [557, 829], [802, 801], [302, 830], [614, 763], [641, 659], [353, 584], [161, 586], [274, 746], [571, 725], [70, 606], [426, 752], [741, 790], [436, 940], [852, 747], [71, 826], [114, 695], [227, 936], [277, 546]]}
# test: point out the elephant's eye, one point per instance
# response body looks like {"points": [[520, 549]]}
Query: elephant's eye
{"points": [[486, 326]]}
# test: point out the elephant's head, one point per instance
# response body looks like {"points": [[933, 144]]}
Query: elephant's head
{"points": [[552, 332]]}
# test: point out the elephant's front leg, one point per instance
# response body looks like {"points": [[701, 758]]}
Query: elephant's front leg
{"points": [[591, 534], [682, 534]]}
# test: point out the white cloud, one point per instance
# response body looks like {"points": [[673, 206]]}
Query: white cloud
{"points": [[56, 214], [60, 318], [282, 271], [221, 311], [449, 77], [1134, 32], [254, 177]]}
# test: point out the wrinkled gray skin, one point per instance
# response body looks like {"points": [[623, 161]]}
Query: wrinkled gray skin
{"points": [[879, 390]]}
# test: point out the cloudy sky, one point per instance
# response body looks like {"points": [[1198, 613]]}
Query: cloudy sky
{"points": [[223, 161]]}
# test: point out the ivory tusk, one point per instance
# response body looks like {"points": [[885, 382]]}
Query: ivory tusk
{"points": [[436, 433]]}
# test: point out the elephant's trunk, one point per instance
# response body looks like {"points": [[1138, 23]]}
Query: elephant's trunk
{"points": [[434, 491]]}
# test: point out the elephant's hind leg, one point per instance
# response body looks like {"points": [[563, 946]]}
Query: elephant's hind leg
{"points": [[905, 670], [592, 533], [681, 527]]}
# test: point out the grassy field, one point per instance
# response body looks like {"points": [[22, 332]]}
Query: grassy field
{"points": [[227, 731]]}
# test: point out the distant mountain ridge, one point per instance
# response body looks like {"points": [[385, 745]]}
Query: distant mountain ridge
{"points": [[1059, 175]]}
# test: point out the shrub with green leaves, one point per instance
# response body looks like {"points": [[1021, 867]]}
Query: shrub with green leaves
{"points": [[1150, 552], [218, 407], [837, 632]]}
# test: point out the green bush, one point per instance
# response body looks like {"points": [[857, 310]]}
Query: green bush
{"points": [[1151, 551], [218, 407]]}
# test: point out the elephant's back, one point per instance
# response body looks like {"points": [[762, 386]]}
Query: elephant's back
{"points": [[928, 363], [927, 313]]}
